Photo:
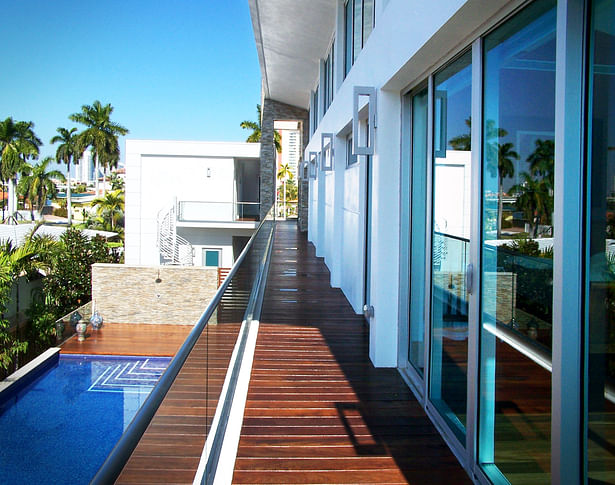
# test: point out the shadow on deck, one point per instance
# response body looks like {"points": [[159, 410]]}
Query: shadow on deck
{"points": [[317, 410]]}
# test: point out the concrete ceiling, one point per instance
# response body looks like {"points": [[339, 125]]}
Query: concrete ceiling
{"points": [[291, 38]]}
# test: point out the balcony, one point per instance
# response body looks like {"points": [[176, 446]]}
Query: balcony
{"points": [[217, 214], [274, 385]]}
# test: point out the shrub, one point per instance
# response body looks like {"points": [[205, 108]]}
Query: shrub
{"points": [[525, 246], [68, 284]]}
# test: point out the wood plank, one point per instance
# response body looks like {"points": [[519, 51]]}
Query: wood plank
{"points": [[171, 447], [317, 410], [130, 339]]}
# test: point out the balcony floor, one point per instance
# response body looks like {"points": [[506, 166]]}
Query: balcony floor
{"points": [[317, 410]]}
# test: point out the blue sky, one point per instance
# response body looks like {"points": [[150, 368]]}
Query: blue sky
{"points": [[182, 70]]}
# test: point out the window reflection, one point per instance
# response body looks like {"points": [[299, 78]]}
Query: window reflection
{"points": [[601, 270], [417, 231], [450, 242], [517, 246]]}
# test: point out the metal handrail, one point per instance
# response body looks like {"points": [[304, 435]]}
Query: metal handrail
{"points": [[115, 462], [232, 206], [451, 236], [252, 312]]}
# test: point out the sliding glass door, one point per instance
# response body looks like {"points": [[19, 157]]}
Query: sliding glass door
{"points": [[518, 170], [418, 203], [600, 262], [450, 240]]}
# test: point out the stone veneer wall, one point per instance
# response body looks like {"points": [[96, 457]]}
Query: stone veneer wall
{"points": [[499, 288], [271, 111], [130, 294], [304, 197]]}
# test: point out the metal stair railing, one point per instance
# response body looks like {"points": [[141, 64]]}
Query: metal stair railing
{"points": [[173, 248]]}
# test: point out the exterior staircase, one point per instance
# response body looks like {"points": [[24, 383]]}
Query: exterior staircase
{"points": [[173, 248]]}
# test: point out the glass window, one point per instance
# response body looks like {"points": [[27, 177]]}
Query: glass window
{"points": [[518, 169], [368, 18], [211, 257], [600, 266], [348, 37], [325, 88], [357, 31], [359, 16], [315, 110], [328, 88], [350, 158], [417, 231], [450, 243]]}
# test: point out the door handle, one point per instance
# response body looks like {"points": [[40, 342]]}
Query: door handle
{"points": [[469, 278]]}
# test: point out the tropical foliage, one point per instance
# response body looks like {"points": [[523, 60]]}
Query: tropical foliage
{"points": [[67, 152], [15, 262], [535, 192], [505, 154], [36, 183], [117, 182], [100, 135], [68, 284], [110, 210], [255, 126], [18, 144]]}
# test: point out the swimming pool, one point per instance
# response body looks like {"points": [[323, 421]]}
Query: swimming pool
{"points": [[61, 427]]}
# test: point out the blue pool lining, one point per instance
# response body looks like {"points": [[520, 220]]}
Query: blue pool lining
{"points": [[28, 373]]}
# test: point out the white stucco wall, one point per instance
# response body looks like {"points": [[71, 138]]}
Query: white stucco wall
{"points": [[158, 172], [398, 54]]}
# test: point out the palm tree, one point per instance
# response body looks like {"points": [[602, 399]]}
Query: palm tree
{"points": [[463, 142], [532, 201], [37, 185], [255, 126], [542, 162], [67, 152], [110, 208], [101, 135], [505, 168], [18, 144], [284, 174], [34, 254]]}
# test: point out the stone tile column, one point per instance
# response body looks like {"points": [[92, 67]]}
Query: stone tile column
{"points": [[271, 111]]}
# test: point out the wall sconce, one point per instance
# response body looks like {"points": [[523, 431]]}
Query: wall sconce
{"points": [[208, 172]]}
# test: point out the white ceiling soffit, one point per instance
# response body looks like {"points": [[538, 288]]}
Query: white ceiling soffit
{"points": [[291, 38]]}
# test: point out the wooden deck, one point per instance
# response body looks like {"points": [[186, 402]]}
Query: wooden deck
{"points": [[170, 450], [130, 339], [317, 410]]}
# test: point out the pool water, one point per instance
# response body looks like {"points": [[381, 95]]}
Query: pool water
{"points": [[61, 427]]}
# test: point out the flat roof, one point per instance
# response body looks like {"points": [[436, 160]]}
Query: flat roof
{"points": [[291, 37]]}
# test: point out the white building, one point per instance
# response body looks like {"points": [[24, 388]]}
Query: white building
{"points": [[189, 202], [424, 116], [84, 170], [291, 144]]}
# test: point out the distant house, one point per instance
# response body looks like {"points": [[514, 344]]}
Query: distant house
{"points": [[190, 202]]}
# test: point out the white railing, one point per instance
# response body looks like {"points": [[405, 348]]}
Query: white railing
{"points": [[201, 211], [173, 248]]}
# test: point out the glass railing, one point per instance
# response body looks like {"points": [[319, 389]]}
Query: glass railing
{"points": [[200, 211], [521, 316], [449, 326], [213, 351], [450, 259], [288, 210], [527, 308]]}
